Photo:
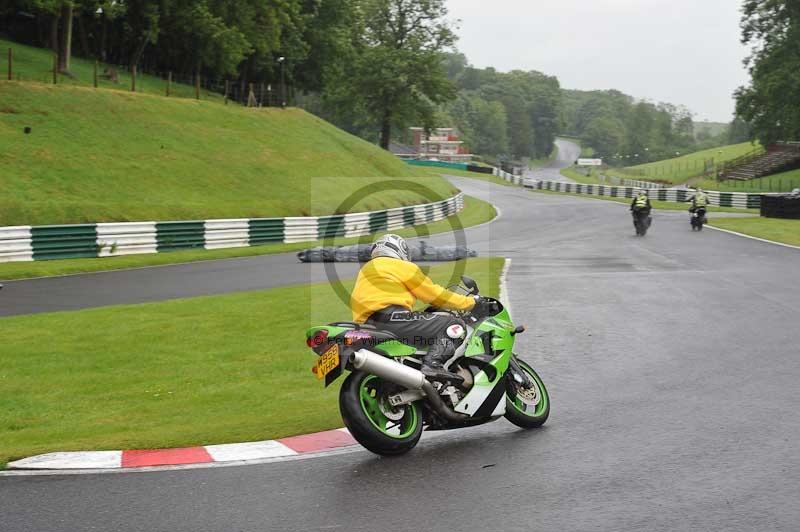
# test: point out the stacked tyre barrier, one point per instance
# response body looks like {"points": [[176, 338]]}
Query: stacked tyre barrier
{"points": [[781, 206], [51, 242], [740, 200]]}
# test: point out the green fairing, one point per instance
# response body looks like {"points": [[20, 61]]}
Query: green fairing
{"points": [[502, 341], [395, 348]]}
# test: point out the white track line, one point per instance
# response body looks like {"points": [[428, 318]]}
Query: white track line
{"points": [[753, 237], [504, 286]]}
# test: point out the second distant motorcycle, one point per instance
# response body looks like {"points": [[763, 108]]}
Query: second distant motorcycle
{"points": [[640, 209]]}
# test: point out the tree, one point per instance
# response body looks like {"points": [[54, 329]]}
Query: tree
{"points": [[491, 128], [60, 13], [769, 102], [739, 131], [213, 44], [141, 22], [640, 125], [395, 75], [605, 135]]}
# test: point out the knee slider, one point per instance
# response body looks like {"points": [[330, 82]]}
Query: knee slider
{"points": [[457, 330]]}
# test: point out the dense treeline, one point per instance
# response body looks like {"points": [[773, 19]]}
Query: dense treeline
{"points": [[510, 115], [769, 103], [625, 131], [215, 38]]}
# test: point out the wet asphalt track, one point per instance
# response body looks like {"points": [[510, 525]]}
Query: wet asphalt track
{"points": [[672, 361]]}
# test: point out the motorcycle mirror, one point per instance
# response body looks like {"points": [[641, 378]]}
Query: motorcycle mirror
{"points": [[470, 284]]}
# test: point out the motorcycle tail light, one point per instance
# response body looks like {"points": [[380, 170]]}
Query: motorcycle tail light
{"points": [[319, 338]]}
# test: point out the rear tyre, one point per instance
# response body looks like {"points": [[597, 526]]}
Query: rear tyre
{"points": [[527, 408], [373, 422]]}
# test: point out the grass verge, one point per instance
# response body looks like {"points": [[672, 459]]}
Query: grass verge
{"points": [[775, 229], [215, 369], [475, 212], [578, 177]]}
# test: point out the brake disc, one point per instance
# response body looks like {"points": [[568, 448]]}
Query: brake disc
{"points": [[531, 396], [392, 413]]}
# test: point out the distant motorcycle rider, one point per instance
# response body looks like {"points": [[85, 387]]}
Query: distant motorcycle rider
{"points": [[699, 200], [641, 207], [387, 288], [641, 202]]}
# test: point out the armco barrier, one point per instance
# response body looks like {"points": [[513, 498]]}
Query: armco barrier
{"points": [[26, 243], [511, 178], [437, 164], [740, 200]]}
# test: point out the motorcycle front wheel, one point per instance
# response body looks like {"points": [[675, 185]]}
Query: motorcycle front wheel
{"points": [[527, 407], [372, 421]]}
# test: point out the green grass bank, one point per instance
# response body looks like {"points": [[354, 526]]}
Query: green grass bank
{"points": [[781, 182], [680, 169], [204, 370], [102, 156]]}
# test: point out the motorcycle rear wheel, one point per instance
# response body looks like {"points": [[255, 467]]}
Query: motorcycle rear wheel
{"points": [[381, 428], [528, 408]]}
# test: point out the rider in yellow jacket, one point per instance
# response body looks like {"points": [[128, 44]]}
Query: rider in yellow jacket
{"points": [[384, 295]]}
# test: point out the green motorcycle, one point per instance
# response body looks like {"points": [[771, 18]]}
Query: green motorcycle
{"points": [[386, 400]]}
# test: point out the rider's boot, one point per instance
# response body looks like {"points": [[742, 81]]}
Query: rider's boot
{"points": [[433, 363]]}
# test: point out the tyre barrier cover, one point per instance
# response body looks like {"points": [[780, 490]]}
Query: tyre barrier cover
{"points": [[781, 206], [480, 169], [421, 252]]}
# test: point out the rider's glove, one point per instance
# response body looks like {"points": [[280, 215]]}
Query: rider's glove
{"points": [[485, 307]]}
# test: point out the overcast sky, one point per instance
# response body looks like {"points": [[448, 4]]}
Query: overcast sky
{"points": [[679, 51]]}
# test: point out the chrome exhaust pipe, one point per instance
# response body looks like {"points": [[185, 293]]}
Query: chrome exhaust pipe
{"points": [[388, 369], [404, 376]]}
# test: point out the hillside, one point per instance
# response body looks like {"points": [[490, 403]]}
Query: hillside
{"points": [[104, 155], [679, 169]]}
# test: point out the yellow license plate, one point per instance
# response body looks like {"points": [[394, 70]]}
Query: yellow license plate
{"points": [[328, 361]]}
